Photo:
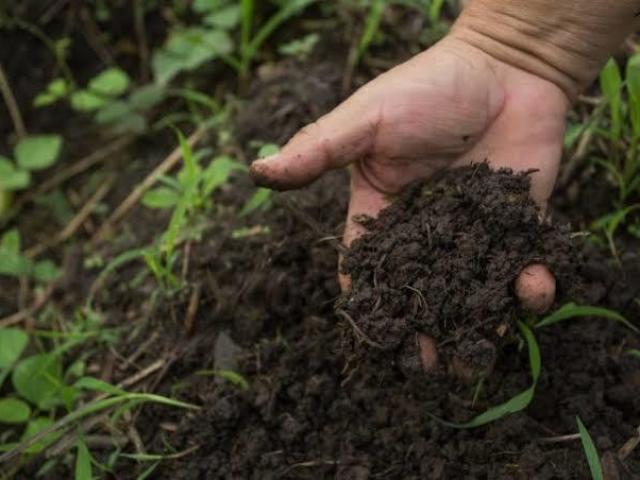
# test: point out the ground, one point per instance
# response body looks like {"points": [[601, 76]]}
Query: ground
{"points": [[300, 402]]}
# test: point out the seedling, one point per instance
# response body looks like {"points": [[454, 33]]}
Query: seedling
{"points": [[189, 48], [41, 387], [31, 154], [620, 130], [104, 98], [187, 194]]}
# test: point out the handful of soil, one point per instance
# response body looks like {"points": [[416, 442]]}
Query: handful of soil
{"points": [[442, 261]]}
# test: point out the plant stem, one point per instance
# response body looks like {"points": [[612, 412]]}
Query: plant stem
{"points": [[12, 105]]}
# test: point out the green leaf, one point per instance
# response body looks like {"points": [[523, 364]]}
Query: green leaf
{"points": [[288, 10], [57, 204], [57, 89], [13, 264], [611, 85], [634, 352], [301, 47], [435, 9], [516, 403], [37, 152], [267, 150], [12, 343], [97, 385], [13, 410], [245, 232], [228, 375], [34, 427], [204, 6], [46, 271], [259, 200], [633, 87], [147, 97], [371, 27], [38, 379], [226, 18], [161, 197], [113, 112], [218, 172], [187, 50], [113, 82], [590, 451], [86, 101], [11, 178], [11, 241], [83, 470], [571, 310]]}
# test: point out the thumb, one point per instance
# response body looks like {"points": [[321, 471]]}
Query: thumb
{"points": [[337, 139]]}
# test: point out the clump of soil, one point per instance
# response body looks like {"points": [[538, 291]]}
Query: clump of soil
{"points": [[442, 261]]}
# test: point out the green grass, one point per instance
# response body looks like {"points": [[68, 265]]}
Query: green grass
{"points": [[590, 451]]}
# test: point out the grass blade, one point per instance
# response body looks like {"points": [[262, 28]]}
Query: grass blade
{"points": [[590, 451], [571, 310], [371, 27], [611, 84], [516, 403], [83, 469], [634, 352]]}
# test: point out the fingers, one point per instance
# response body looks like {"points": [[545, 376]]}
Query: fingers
{"points": [[428, 352], [339, 138], [365, 200], [536, 288]]}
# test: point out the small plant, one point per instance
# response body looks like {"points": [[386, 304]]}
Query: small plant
{"points": [[104, 97], [41, 387], [617, 123], [187, 194], [189, 48], [300, 48], [31, 154]]}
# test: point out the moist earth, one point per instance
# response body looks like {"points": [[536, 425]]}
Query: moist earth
{"points": [[442, 261], [314, 411]]}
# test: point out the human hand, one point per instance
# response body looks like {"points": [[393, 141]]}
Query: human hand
{"points": [[448, 106]]}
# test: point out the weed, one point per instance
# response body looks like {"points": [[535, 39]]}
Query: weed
{"points": [[620, 131], [189, 48]]}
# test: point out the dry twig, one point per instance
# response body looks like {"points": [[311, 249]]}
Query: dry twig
{"points": [[12, 105]]}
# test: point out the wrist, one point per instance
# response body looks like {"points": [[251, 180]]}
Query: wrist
{"points": [[563, 42]]}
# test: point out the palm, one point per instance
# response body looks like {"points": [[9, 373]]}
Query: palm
{"points": [[448, 106], [441, 110]]}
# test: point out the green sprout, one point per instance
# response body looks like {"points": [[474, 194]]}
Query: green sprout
{"points": [[31, 154]]}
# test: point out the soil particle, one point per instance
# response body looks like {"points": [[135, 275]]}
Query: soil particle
{"points": [[442, 261]]}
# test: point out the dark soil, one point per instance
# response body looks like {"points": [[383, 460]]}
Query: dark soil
{"points": [[311, 413], [442, 261], [314, 410]]}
